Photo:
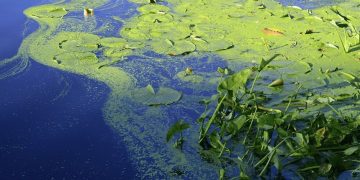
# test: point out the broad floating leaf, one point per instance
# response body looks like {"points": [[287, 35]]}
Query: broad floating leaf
{"points": [[193, 78], [164, 96], [213, 45], [77, 42], [117, 52], [178, 48], [153, 9], [134, 34], [76, 58], [113, 42], [50, 12]]}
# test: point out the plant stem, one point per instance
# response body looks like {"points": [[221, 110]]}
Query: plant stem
{"points": [[212, 119], [337, 112], [288, 105], [253, 84], [248, 131], [267, 163], [222, 150], [263, 159], [309, 168]]}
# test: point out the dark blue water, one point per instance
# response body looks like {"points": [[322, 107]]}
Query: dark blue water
{"points": [[51, 124]]}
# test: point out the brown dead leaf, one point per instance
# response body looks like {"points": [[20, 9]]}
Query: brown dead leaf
{"points": [[272, 32]]}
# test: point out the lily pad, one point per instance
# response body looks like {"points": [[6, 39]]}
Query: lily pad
{"points": [[77, 42], [113, 42], [169, 31], [163, 96], [153, 9], [216, 45], [134, 34], [193, 78], [50, 12], [76, 58], [173, 47], [156, 18], [117, 52]]}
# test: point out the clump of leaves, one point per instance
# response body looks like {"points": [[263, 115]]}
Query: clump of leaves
{"points": [[273, 143], [177, 128]]}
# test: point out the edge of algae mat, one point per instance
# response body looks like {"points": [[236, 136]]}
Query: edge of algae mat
{"points": [[59, 49], [203, 27]]}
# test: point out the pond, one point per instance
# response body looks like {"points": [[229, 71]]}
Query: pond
{"points": [[115, 89]]}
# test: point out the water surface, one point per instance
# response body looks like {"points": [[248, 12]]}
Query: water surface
{"points": [[51, 122]]}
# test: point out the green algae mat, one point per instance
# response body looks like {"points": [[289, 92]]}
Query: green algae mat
{"points": [[274, 64]]}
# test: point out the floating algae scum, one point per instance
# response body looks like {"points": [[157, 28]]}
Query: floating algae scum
{"points": [[144, 63]]}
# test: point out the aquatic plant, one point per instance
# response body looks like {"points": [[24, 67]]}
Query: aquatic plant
{"points": [[274, 143], [176, 31]]}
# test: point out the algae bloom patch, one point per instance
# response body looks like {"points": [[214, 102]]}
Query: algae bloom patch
{"points": [[156, 44]]}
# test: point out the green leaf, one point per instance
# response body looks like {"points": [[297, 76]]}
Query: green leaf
{"points": [[150, 89], [213, 45], [277, 82], [221, 174], [236, 81], [76, 58], [215, 141], [349, 151], [266, 121], [178, 127], [117, 52], [300, 140], [277, 162], [264, 62], [319, 136], [50, 11], [193, 78], [239, 121], [153, 9], [173, 48], [325, 168], [77, 42], [164, 96], [325, 100], [113, 42], [349, 76]]}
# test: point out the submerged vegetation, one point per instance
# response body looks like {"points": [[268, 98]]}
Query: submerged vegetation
{"points": [[294, 115]]}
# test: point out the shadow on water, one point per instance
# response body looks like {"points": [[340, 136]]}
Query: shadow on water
{"points": [[51, 123]]}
